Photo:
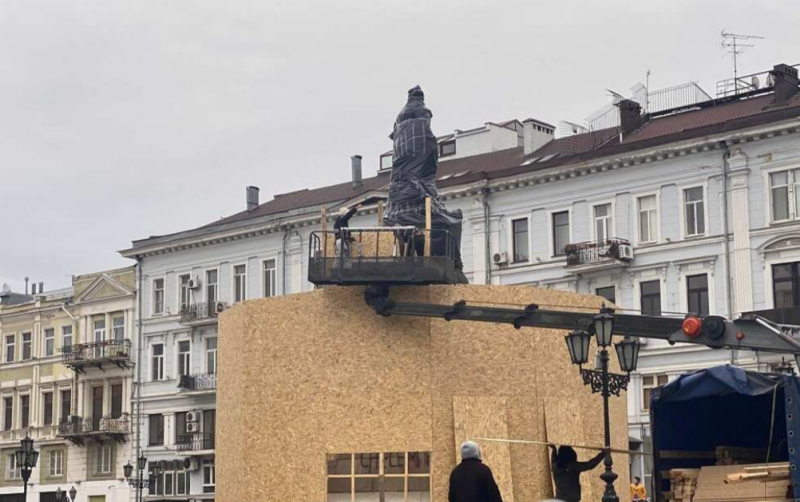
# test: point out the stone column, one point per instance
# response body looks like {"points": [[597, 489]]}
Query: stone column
{"points": [[740, 218]]}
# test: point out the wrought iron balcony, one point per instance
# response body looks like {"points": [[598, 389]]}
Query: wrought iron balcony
{"points": [[197, 383], [614, 252], [76, 428], [199, 313], [77, 357], [199, 441]]}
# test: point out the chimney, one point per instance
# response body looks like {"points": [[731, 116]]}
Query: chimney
{"points": [[33, 289], [534, 136], [41, 288], [630, 116], [355, 168], [786, 81], [252, 198], [26, 285]]}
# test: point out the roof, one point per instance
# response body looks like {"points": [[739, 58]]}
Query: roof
{"points": [[708, 118]]}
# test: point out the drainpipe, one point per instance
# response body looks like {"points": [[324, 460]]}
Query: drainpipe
{"points": [[139, 261], [283, 261], [726, 241], [488, 233]]}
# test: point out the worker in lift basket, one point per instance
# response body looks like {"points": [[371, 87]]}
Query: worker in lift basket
{"points": [[638, 491], [567, 471], [472, 480], [341, 224]]}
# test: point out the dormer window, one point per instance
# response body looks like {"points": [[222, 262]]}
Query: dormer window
{"points": [[447, 148], [386, 161]]}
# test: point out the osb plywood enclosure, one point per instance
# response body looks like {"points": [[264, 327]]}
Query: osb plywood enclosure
{"points": [[320, 398]]}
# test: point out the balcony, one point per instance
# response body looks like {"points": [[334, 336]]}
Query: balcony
{"points": [[598, 255], [199, 313], [197, 442], [198, 383], [96, 354], [77, 429]]}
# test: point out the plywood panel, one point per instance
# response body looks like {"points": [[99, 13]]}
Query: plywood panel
{"points": [[475, 417]]}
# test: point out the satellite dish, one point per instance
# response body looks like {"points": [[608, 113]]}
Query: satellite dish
{"points": [[770, 80], [755, 83]]}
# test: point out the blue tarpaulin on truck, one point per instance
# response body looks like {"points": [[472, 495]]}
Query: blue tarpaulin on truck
{"points": [[726, 406]]}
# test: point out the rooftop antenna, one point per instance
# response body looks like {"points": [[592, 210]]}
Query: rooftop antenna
{"points": [[647, 92], [734, 45]]}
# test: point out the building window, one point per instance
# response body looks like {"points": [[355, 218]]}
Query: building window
{"points": [[97, 407], [27, 343], [697, 294], [269, 278], [209, 425], [10, 341], [447, 148], [211, 356], [49, 342], [211, 287], [103, 459], [785, 285], [183, 287], [602, 222], [401, 476], [118, 327], [25, 411], [47, 408], [650, 382], [560, 232], [55, 463], [66, 404], [99, 330], [116, 400], [184, 357], [386, 161], [609, 293], [239, 283], [158, 296], [8, 413], [180, 427], [157, 362], [648, 219], [785, 194], [156, 430], [13, 471], [695, 211], [66, 336], [519, 230], [209, 476], [650, 297]]}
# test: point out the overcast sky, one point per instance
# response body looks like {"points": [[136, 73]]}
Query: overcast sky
{"points": [[125, 119]]}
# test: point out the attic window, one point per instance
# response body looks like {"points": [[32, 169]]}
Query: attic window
{"points": [[386, 161], [548, 157], [530, 161], [447, 148]]}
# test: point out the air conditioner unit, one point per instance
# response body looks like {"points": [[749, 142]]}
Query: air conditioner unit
{"points": [[192, 416], [192, 427], [500, 258], [191, 464], [625, 252], [194, 283], [220, 307]]}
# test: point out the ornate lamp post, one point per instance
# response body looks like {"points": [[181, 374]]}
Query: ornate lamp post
{"points": [[73, 494], [61, 494], [25, 459], [601, 380], [141, 482]]}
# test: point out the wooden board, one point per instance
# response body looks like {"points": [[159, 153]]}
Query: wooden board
{"points": [[480, 417], [711, 486]]}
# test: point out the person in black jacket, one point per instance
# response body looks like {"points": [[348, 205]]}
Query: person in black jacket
{"points": [[472, 480], [341, 224], [567, 471]]}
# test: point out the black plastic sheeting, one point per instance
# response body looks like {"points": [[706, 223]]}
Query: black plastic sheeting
{"points": [[414, 166], [726, 406]]}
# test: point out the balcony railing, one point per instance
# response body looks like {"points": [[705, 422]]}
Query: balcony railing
{"points": [[586, 253], [198, 441], [95, 353], [198, 312], [75, 428], [190, 383]]}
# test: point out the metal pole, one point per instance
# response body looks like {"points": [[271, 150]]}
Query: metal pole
{"points": [[610, 494]]}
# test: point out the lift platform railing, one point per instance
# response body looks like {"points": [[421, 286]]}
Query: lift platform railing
{"points": [[395, 255]]}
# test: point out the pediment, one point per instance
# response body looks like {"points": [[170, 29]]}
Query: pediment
{"points": [[101, 288]]}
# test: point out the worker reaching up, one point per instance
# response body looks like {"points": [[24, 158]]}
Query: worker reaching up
{"points": [[472, 480], [567, 471]]}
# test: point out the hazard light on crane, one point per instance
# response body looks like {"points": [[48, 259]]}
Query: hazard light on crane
{"points": [[692, 326]]}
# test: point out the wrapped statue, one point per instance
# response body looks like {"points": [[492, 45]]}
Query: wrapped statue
{"points": [[414, 165]]}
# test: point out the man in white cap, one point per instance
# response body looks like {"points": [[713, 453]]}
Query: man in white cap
{"points": [[472, 480]]}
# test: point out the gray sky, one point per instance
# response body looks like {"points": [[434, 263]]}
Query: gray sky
{"points": [[124, 119]]}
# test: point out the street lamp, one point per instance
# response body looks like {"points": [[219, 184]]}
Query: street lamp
{"points": [[141, 482], [25, 459], [59, 495], [73, 493], [601, 380]]}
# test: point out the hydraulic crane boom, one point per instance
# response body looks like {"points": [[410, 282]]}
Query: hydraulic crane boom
{"points": [[749, 332]]}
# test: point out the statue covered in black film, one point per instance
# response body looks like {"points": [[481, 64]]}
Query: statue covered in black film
{"points": [[414, 164]]}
